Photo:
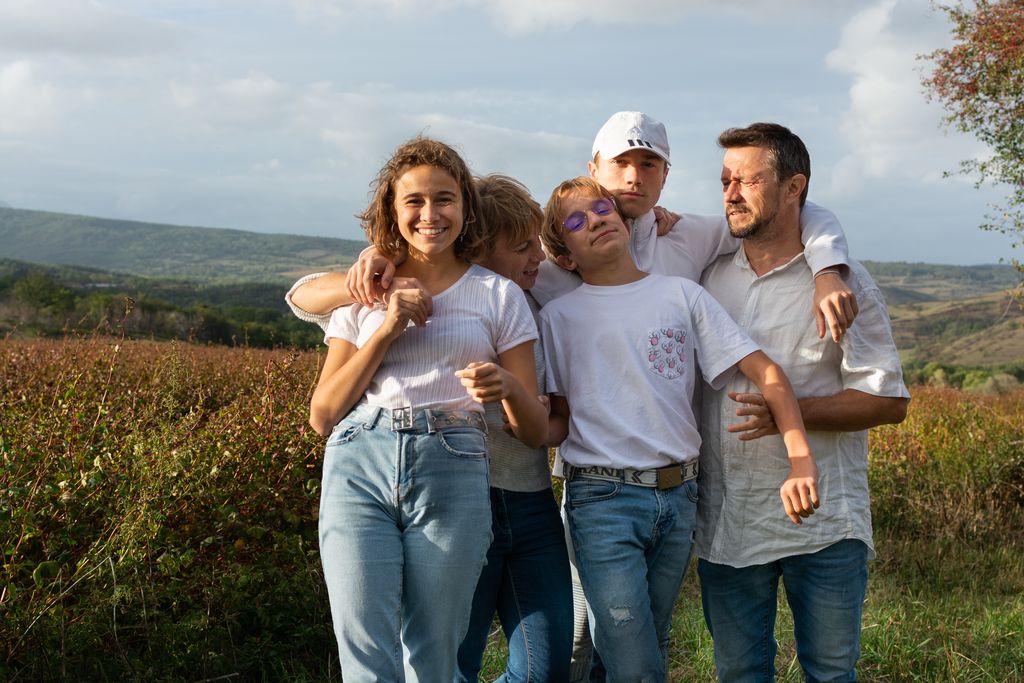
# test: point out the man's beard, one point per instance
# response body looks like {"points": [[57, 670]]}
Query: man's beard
{"points": [[753, 228]]}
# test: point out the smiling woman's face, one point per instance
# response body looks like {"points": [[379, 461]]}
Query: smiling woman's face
{"points": [[428, 209]]}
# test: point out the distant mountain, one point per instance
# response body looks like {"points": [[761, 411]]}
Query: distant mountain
{"points": [[960, 315], [167, 251], [973, 331], [908, 283], [4, 205], [178, 292]]}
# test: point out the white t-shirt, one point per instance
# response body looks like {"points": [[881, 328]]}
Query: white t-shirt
{"points": [[624, 357], [478, 317]]}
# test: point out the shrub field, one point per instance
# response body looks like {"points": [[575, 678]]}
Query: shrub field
{"points": [[158, 506]]}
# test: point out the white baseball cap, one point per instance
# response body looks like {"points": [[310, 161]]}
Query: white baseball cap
{"points": [[627, 130]]}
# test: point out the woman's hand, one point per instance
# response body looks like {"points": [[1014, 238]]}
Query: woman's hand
{"points": [[405, 306]]}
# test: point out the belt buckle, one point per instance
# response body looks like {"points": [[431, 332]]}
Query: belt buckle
{"points": [[669, 477], [401, 418]]}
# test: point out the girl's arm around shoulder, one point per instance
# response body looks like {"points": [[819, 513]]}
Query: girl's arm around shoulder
{"points": [[800, 490]]}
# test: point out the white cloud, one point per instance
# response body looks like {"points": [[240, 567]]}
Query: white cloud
{"points": [[82, 28], [889, 128], [255, 99], [27, 104], [518, 16]]}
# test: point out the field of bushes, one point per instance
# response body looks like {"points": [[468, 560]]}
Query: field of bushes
{"points": [[158, 506]]}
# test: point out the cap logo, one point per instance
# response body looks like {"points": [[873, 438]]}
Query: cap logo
{"points": [[640, 143]]}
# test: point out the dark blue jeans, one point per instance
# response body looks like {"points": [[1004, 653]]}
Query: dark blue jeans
{"points": [[825, 591], [526, 581]]}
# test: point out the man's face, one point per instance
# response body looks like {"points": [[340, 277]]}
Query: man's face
{"points": [[750, 191], [634, 177]]}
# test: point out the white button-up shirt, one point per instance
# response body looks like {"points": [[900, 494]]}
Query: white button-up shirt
{"points": [[741, 520]]}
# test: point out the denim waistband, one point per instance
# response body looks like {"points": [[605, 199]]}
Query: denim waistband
{"points": [[408, 419]]}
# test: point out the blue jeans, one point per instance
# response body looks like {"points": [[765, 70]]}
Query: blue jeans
{"points": [[632, 549], [402, 544], [825, 591], [527, 581]]}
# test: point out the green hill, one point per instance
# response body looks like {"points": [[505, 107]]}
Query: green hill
{"points": [[955, 315], [167, 251]]}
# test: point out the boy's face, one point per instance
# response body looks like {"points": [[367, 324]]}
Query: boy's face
{"points": [[601, 239], [635, 178], [518, 262]]}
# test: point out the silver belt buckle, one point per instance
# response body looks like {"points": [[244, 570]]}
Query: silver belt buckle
{"points": [[401, 418]]}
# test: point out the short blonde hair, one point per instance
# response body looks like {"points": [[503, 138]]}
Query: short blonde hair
{"points": [[379, 219], [507, 211], [552, 232]]}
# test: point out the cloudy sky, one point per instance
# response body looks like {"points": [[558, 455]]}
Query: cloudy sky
{"points": [[273, 115]]}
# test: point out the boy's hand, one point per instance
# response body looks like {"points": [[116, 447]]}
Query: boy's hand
{"points": [[835, 306], [800, 490], [665, 220], [369, 277], [760, 421], [485, 382]]}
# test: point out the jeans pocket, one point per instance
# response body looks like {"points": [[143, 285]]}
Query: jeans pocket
{"points": [[583, 491], [343, 433], [464, 442], [692, 492]]}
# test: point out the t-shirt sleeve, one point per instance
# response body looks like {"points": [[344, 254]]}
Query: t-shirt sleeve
{"points": [[515, 320], [721, 343], [693, 244], [343, 324], [823, 237]]}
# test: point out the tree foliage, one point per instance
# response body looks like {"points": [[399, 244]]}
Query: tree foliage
{"points": [[980, 82]]}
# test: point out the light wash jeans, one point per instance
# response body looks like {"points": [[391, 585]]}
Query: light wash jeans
{"points": [[825, 591], [632, 546], [403, 536], [527, 581]]}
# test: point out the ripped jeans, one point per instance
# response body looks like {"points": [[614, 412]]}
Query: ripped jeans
{"points": [[632, 550]]}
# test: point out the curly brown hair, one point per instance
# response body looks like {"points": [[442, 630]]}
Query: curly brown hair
{"points": [[380, 221]]}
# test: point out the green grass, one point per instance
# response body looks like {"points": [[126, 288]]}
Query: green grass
{"points": [[158, 507]]}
